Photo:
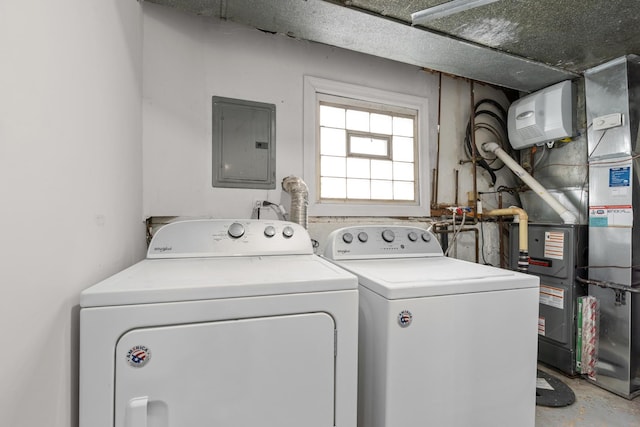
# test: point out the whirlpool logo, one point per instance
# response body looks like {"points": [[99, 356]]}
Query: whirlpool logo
{"points": [[163, 249]]}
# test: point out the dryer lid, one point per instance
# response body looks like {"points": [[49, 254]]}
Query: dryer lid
{"points": [[425, 277], [191, 279]]}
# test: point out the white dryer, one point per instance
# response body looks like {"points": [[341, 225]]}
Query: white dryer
{"points": [[442, 342], [226, 323]]}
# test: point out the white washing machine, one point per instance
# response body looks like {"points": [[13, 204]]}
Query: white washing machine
{"points": [[442, 342], [227, 324]]}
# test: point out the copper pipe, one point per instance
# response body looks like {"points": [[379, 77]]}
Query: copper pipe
{"points": [[457, 188], [474, 149], [434, 197], [501, 233]]}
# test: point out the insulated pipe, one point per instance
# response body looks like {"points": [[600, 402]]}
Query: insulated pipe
{"points": [[299, 192], [523, 228], [566, 216]]}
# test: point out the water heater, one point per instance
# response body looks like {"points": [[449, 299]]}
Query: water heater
{"points": [[543, 116]]}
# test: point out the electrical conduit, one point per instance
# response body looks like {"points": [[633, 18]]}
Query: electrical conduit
{"points": [[567, 216]]}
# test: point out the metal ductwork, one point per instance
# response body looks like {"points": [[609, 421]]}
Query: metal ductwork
{"points": [[324, 22], [613, 112], [299, 192]]}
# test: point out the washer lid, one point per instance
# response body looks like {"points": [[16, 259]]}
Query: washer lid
{"points": [[189, 279], [424, 277]]}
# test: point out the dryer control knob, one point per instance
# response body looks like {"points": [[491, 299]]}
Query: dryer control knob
{"points": [[270, 231], [347, 237], [287, 231], [236, 230], [413, 236], [388, 236], [426, 237], [363, 237]]}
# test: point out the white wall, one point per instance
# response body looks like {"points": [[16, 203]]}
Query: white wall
{"points": [[188, 59], [70, 187]]}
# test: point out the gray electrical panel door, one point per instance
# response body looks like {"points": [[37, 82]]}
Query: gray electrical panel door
{"points": [[244, 152]]}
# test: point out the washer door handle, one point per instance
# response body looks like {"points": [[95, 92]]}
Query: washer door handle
{"points": [[136, 412]]}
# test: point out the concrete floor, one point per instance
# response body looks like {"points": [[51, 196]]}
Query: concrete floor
{"points": [[594, 407]]}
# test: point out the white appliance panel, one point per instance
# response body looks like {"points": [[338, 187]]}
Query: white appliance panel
{"points": [[190, 279], [450, 366], [282, 368], [419, 277], [239, 324], [442, 342]]}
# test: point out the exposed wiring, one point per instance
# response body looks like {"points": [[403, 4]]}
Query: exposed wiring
{"points": [[598, 143], [591, 267], [500, 135], [544, 151], [278, 209], [615, 162], [484, 260], [456, 232], [606, 284]]}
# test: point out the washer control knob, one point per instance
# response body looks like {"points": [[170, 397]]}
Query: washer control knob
{"points": [[236, 230], [412, 236], [347, 238], [426, 237], [388, 236], [363, 237], [270, 231], [287, 231]]}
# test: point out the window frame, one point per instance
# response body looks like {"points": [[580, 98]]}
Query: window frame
{"points": [[314, 88]]}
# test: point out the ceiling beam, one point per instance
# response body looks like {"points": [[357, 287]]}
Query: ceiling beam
{"points": [[324, 22]]}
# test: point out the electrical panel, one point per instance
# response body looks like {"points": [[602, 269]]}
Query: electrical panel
{"points": [[244, 152]]}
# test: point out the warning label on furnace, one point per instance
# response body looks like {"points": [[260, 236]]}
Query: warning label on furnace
{"points": [[611, 216], [554, 244], [551, 296]]}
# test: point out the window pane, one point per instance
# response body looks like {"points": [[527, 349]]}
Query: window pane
{"points": [[381, 169], [333, 188], [358, 120], [381, 190], [369, 146], [402, 149], [332, 116], [403, 171], [402, 126], [403, 190], [358, 168], [333, 166], [358, 189], [333, 142], [381, 123]]}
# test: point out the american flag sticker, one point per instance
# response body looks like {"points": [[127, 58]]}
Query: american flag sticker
{"points": [[138, 356], [404, 318]]}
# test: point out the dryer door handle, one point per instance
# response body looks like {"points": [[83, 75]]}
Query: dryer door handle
{"points": [[136, 413]]}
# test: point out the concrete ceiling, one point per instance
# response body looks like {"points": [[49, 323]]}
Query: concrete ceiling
{"points": [[519, 44]]}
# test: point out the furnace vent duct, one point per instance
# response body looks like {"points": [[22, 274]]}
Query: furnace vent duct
{"points": [[299, 192]]}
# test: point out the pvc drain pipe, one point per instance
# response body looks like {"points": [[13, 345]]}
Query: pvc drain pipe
{"points": [[567, 216]]}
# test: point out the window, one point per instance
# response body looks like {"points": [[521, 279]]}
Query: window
{"points": [[366, 151], [362, 151]]}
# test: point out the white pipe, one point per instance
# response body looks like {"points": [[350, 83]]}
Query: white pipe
{"points": [[567, 216], [523, 228]]}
